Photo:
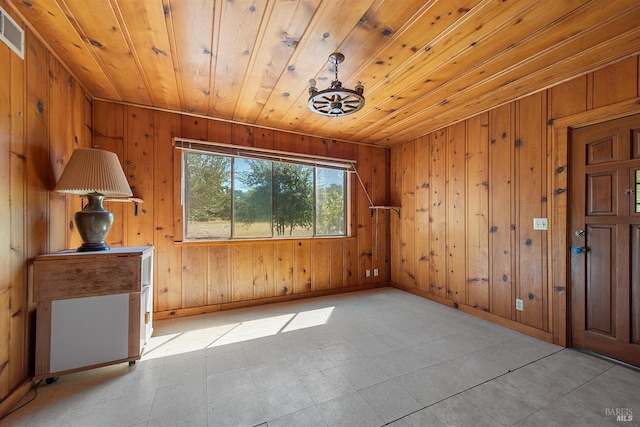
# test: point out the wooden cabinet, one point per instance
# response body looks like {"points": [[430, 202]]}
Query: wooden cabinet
{"points": [[93, 308]]}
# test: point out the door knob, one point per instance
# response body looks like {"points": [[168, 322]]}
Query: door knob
{"points": [[580, 250]]}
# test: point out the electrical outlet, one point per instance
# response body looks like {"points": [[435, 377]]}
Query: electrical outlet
{"points": [[519, 304], [540, 224], [368, 273], [375, 272]]}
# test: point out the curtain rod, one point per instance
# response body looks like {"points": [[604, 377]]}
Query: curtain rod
{"points": [[238, 150]]}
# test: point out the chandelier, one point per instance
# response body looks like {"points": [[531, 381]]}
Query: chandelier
{"points": [[335, 100]]}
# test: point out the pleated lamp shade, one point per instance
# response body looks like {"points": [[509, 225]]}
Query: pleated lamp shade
{"points": [[91, 170]]}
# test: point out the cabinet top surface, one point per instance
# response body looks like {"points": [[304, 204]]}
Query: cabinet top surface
{"points": [[119, 251]]}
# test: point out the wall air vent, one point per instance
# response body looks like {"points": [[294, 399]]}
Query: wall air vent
{"points": [[11, 33]]}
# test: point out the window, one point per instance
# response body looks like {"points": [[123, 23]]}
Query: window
{"points": [[232, 196]]}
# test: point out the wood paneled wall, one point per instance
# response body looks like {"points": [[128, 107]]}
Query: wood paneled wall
{"points": [[44, 115], [469, 193], [199, 277]]}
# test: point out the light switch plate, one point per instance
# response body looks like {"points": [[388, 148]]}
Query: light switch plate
{"points": [[540, 224]]}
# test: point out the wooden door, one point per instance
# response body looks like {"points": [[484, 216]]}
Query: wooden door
{"points": [[605, 238]]}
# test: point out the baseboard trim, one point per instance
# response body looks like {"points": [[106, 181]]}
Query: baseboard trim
{"points": [[169, 314], [10, 402], [511, 324]]}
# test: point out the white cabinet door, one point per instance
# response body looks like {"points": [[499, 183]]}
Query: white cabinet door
{"points": [[89, 331]]}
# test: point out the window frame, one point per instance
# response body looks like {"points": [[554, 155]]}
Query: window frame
{"points": [[184, 145]]}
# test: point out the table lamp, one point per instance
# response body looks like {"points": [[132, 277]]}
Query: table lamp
{"points": [[95, 174]]}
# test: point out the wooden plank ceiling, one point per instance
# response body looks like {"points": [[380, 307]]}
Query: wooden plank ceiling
{"points": [[424, 64]]}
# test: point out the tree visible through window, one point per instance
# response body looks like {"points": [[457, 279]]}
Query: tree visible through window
{"points": [[229, 197]]}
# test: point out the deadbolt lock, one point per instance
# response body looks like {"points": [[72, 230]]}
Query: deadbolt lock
{"points": [[580, 233]]}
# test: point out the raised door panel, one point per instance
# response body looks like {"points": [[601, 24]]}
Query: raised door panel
{"points": [[600, 295], [601, 193]]}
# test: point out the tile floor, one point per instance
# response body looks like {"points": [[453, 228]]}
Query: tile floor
{"points": [[376, 358]]}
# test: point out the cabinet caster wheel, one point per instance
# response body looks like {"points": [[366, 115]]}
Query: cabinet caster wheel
{"points": [[51, 380], [132, 362]]}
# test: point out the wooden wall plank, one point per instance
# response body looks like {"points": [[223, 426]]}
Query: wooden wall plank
{"points": [[615, 83], [5, 224], [242, 272], [395, 188], [195, 275], [501, 224], [219, 283], [531, 203], [39, 173], [321, 257], [60, 130], [301, 267], [422, 162], [140, 134], [408, 215], [168, 261], [284, 268], [20, 345], [265, 138], [337, 260], [350, 248], [438, 214], [569, 97], [478, 212], [456, 218], [108, 134], [263, 270], [220, 131], [364, 233], [380, 223], [83, 137]]}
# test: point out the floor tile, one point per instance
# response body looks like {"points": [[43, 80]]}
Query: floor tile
{"points": [[511, 398], [306, 417], [229, 384], [457, 411], [272, 374], [340, 354], [241, 410], [371, 346], [218, 362], [309, 362], [399, 362], [179, 399], [326, 385], [389, 401], [437, 382], [362, 373], [563, 412], [421, 418], [349, 410], [283, 399]]}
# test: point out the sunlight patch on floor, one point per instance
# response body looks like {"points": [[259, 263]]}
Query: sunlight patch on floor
{"points": [[236, 332]]}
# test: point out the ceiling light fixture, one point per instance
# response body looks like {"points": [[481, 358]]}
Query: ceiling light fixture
{"points": [[335, 100]]}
